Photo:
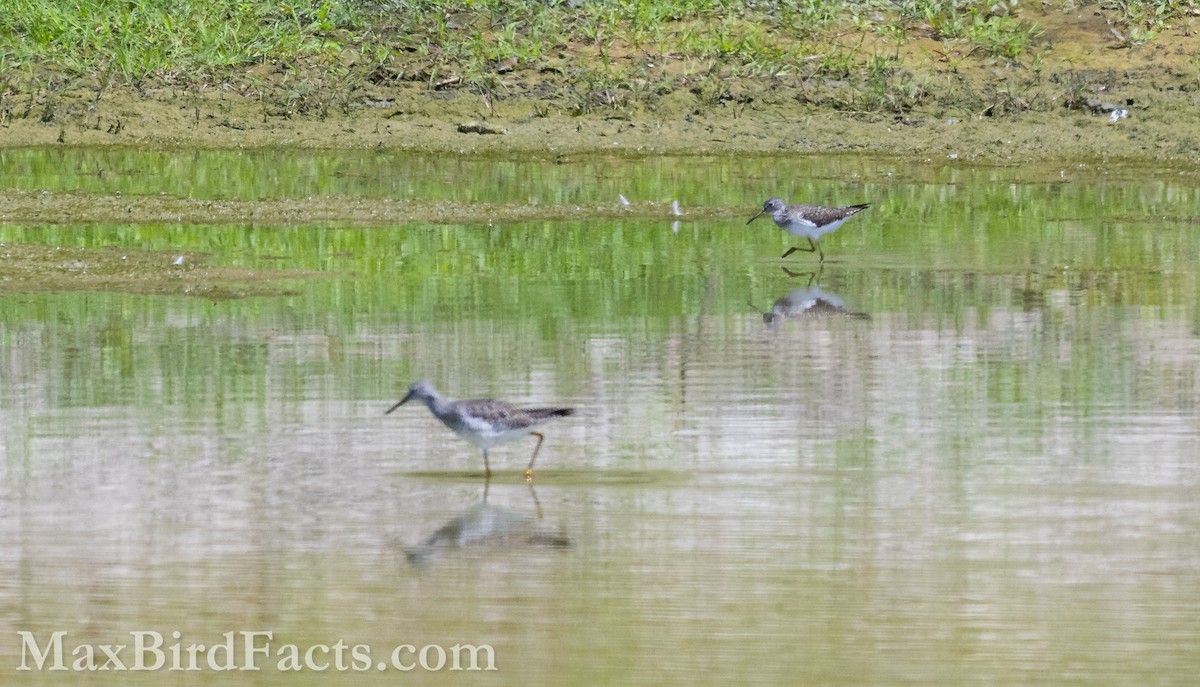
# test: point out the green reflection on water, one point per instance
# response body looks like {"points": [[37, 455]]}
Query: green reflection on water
{"points": [[991, 478]]}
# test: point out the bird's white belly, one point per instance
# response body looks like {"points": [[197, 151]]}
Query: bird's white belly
{"points": [[485, 435], [810, 230]]}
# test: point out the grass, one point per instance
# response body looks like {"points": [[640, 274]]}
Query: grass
{"points": [[311, 56], [129, 42]]}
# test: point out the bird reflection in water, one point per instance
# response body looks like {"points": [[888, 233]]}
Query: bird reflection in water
{"points": [[809, 303], [485, 528]]}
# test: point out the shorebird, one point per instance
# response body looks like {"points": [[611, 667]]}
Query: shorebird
{"points": [[810, 221], [484, 422]]}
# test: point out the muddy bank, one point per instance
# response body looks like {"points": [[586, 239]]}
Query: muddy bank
{"points": [[931, 101], [45, 207], [34, 268], [1155, 129]]}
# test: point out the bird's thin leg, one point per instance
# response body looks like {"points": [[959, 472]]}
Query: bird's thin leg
{"points": [[793, 249], [529, 470], [487, 469], [816, 245]]}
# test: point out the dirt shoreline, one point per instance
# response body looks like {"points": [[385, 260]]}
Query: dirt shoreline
{"points": [[420, 121]]}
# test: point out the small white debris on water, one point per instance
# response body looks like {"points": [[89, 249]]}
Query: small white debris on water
{"points": [[952, 156], [675, 208], [624, 200]]}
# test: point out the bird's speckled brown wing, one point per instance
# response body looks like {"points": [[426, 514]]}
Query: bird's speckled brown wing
{"points": [[821, 215], [507, 414]]}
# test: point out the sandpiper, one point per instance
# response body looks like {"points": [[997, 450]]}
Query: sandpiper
{"points": [[810, 221], [484, 422]]}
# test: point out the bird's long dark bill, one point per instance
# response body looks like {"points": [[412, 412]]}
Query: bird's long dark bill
{"points": [[402, 402], [760, 214]]}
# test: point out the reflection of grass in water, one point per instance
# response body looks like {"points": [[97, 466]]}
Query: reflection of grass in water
{"points": [[933, 226], [946, 247]]}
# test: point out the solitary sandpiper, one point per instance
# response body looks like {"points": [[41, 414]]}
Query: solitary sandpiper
{"points": [[810, 221]]}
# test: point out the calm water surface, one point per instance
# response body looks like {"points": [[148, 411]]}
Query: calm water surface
{"points": [[967, 451]]}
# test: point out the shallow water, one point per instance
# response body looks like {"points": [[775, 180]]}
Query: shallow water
{"points": [[975, 461]]}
